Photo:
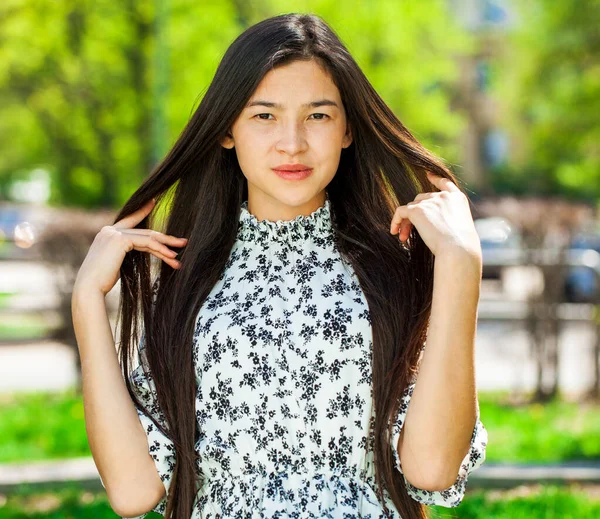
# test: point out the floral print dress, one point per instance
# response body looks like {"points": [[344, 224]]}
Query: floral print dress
{"points": [[282, 351]]}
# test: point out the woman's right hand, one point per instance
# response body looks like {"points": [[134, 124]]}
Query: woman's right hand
{"points": [[101, 267]]}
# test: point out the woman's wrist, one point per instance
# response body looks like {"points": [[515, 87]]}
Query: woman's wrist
{"points": [[83, 290]]}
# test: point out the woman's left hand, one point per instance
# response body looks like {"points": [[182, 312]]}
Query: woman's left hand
{"points": [[443, 219]]}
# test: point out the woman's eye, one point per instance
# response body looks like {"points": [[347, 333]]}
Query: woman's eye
{"points": [[260, 116]]}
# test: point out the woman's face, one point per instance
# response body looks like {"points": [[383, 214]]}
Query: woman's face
{"points": [[279, 126]]}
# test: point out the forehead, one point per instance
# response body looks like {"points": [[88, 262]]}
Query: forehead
{"points": [[296, 83]]}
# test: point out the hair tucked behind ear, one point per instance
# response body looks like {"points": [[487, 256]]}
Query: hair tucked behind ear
{"points": [[201, 186]]}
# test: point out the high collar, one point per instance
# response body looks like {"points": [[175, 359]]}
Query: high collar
{"points": [[316, 225]]}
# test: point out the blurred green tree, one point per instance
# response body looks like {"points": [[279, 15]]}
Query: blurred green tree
{"points": [[549, 84], [78, 79]]}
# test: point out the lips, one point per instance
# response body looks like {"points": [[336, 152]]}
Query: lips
{"points": [[292, 167], [293, 171]]}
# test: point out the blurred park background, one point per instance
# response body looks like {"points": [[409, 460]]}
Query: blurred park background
{"points": [[93, 94]]}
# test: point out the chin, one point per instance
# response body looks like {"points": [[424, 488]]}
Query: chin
{"points": [[297, 199], [291, 194]]}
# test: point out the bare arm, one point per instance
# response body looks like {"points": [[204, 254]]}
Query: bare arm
{"points": [[442, 412], [116, 437], [115, 433]]}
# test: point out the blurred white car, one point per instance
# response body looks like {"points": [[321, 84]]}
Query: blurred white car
{"points": [[582, 284], [498, 237]]}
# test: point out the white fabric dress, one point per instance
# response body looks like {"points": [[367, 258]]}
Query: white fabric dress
{"points": [[282, 350]]}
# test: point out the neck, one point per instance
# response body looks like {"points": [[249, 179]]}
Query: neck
{"points": [[275, 210]]}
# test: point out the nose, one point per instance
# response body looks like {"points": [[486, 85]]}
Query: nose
{"points": [[291, 139]]}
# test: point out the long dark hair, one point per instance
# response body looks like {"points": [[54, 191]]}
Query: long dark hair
{"points": [[202, 186]]}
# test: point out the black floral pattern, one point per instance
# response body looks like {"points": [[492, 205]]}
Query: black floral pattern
{"points": [[282, 348]]}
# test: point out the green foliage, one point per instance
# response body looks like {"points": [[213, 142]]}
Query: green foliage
{"points": [[77, 82], [96, 92], [408, 51], [549, 88]]}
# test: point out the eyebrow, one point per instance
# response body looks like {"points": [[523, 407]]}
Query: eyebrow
{"points": [[313, 104]]}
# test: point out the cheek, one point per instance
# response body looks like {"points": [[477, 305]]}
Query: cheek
{"points": [[332, 138], [248, 141], [251, 142], [326, 144], [251, 149]]}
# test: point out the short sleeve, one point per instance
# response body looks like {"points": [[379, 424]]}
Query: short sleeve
{"points": [[160, 447], [453, 495]]}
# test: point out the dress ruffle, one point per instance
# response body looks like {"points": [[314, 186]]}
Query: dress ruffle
{"points": [[316, 225]]}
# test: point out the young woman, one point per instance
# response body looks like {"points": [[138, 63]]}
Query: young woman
{"points": [[320, 245]]}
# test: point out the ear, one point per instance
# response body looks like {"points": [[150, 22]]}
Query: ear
{"points": [[227, 141], [347, 137]]}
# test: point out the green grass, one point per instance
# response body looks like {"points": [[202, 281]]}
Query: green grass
{"points": [[526, 502], [531, 502], [69, 503], [41, 426], [556, 431]]}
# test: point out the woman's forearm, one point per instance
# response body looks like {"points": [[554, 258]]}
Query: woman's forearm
{"points": [[441, 415], [115, 435]]}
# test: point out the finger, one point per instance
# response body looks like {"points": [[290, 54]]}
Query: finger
{"points": [[169, 239], [148, 243], [136, 217], [424, 196], [442, 183], [169, 261], [405, 228], [400, 213]]}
